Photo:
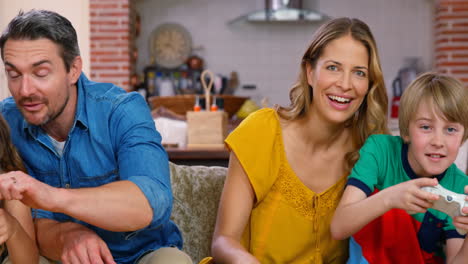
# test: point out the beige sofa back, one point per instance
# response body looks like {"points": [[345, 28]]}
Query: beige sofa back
{"points": [[196, 191]]}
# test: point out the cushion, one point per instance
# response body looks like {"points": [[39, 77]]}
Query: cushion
{"points": [[196, 191]]}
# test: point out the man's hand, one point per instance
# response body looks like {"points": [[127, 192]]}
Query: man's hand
{"points": [[82, 246], [17, 185], [409, 196]]}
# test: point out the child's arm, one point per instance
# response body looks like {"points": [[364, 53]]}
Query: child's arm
{"points": [[18, 230], [457, 248], [456, 251], [356, 210]]}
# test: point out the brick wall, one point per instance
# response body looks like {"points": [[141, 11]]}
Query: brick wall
{"points": [[111, 36], [451, 38]]}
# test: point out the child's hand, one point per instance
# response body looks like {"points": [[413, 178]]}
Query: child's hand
{"points": [[409, 196], [8, 225], [461, 222]]}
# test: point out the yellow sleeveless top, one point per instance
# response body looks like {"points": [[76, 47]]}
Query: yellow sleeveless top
{"points": [[289, 222]]}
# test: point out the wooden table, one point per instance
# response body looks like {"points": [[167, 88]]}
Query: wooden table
{"points": [[198, 156]]}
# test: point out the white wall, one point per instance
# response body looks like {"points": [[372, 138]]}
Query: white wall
{"points": [[268, 55], [462, 158], [76, 11]]}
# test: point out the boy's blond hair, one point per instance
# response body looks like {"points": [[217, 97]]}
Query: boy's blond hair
{"points": [[447, 94]]}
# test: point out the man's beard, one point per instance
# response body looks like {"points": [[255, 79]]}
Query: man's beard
{"points": [[49, 117]]}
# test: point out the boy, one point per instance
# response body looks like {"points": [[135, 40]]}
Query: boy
{"points": [[433, 125]]}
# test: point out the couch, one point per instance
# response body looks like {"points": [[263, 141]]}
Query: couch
{"points": [[196, 191]]}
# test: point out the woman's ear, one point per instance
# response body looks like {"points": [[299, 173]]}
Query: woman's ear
{"points": [[310, 74]]}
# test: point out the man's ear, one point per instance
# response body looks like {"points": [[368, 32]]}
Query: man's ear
{"points": [[75, 69]]}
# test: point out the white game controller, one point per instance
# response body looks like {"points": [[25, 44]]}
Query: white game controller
{"points": [[449, 202]]}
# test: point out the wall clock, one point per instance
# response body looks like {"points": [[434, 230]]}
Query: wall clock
{"points": [[171, 45]]}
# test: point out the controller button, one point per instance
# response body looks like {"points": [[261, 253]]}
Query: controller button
{"points": [[449, 198]]}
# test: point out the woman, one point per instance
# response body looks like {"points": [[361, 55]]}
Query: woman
{"points": [[16, 225], [288, 166]]}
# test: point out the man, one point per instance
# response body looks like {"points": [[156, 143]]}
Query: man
{"points": [[98, 174]]}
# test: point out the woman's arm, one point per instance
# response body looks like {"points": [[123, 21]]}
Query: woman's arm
{"points": [[355, 210], [234, 210], [18, 230]]}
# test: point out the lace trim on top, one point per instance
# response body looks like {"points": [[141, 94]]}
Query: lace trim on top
{"points": [[299, 196], [305, 201]]}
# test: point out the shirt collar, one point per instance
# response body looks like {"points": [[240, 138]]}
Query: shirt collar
{"points": [[409, 171], [81, 118]]}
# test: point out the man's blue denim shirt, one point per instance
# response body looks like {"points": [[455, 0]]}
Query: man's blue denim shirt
{"points": [[113, 138]]}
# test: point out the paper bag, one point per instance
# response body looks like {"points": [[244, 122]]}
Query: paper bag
{"points": [[206, 129]]}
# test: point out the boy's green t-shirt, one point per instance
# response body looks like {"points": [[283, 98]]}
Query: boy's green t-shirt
{"points": [[383, 162]]}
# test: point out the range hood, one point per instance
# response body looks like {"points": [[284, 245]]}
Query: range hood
{"points": [[282, 11]]}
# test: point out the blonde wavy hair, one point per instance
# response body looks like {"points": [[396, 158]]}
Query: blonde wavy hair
{"points": [[371, 117], [10, 160], [447, 93]]}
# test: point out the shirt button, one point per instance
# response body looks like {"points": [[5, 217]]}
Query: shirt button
{"points": [[67, 186]]}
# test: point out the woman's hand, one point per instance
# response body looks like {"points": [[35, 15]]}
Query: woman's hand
{"points": [[409, 196]]}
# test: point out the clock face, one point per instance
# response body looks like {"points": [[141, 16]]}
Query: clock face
{"points": [[171, 45]]}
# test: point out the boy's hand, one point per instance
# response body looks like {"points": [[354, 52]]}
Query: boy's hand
{"points": [[409, 196], [461, 222]]}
